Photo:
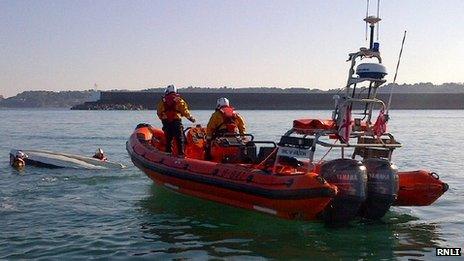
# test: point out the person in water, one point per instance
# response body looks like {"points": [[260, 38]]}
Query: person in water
{"points": [[99, 154], [18, 161], [170, 111], [224, 120]]}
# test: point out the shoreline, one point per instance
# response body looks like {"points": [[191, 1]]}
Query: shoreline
{"points": [[268, 101]]}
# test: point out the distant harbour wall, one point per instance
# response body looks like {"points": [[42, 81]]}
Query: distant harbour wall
{"points": [[269, 101]]}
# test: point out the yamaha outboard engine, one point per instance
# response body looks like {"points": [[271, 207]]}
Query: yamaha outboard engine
{"points": [[382, 188], [350, 177]]}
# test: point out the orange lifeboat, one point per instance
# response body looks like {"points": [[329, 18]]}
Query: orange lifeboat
{"points": [[336, 191], [360, 182], [302, 195]]}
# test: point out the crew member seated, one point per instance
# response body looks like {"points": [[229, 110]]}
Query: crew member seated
{"points": [[18, 161], [99, 154], [224, 120]]}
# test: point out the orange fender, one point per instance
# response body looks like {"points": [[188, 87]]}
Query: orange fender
{"points": [[419, 188]]}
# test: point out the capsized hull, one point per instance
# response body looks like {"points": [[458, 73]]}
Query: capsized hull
{"points": [[49, 159]]}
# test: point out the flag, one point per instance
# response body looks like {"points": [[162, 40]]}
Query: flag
{"points": [[380, 125], [345, 126]]}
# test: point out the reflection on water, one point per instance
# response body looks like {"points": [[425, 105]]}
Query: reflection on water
{"points": [[189, 224]]}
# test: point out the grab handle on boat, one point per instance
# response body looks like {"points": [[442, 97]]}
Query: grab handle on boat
{"points": [[227, 135], [434, 175], [252, 142]]}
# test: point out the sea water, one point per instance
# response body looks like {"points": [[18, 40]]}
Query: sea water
{"points": [[81, 214]]}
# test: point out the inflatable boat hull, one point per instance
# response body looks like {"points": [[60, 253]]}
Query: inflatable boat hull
{"points": [[419, 188], [301, 197], [334, 196]]}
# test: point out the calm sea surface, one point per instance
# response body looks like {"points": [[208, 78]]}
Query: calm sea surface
{"points": [[62, 214]]}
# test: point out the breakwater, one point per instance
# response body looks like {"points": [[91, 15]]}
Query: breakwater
{"points": [[268, 101]]}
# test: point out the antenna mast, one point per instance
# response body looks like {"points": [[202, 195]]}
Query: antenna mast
{"points": [[367, 14], [396, 72], [378, 15], [372, 20]]}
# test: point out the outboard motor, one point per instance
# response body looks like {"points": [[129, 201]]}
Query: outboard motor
{"points": [[350, 178], [382, 188]]}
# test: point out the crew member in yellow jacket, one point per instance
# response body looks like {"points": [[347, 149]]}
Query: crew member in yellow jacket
{"points": [[224, 120], [170, 111]]}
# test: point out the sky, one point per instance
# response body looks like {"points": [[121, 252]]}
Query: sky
{"points": [[73, 44]]}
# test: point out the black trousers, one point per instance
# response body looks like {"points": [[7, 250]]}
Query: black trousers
{"points": [[174, 130]]}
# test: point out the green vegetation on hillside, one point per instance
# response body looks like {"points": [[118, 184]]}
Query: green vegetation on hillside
{"points": [[49, 99], [403, 88], [426, 87]]}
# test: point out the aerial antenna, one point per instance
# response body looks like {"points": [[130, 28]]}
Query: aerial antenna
{"points": [[396, 72], [367, 14], [378, 16]]}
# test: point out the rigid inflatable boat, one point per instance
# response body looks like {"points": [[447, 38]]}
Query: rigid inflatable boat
{"points": [[335, 169], [274, 183], [49, 159]]}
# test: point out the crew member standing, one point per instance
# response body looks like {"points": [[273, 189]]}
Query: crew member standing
{"points": [[170, 110]]}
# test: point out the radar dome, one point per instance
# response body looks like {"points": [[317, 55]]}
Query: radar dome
{"points": [[371, 70]]}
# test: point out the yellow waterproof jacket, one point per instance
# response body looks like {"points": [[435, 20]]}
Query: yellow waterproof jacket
{"points": [[216, 122], [181, 109]]}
